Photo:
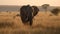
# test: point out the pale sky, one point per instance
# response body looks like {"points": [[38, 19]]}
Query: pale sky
{"points": [[31, 2]]}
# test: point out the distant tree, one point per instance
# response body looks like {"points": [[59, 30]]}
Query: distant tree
{"points": [[45, 6], [55, 11]]}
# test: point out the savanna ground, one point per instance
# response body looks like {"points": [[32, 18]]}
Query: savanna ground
{"points": [[43, 23]]}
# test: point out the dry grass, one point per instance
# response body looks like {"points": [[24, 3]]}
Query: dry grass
{"points": [[10, 23]]}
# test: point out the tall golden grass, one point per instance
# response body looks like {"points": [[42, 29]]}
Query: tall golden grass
{"points": [[43, 23]]}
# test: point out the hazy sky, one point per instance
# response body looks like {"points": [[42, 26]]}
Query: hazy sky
{"points": [[31, 2]]}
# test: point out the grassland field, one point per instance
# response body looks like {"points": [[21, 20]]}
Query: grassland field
{"points": [[43, 23]]}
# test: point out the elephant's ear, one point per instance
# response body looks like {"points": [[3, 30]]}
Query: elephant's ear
{"points": [[35, 12], [35, 8]]}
